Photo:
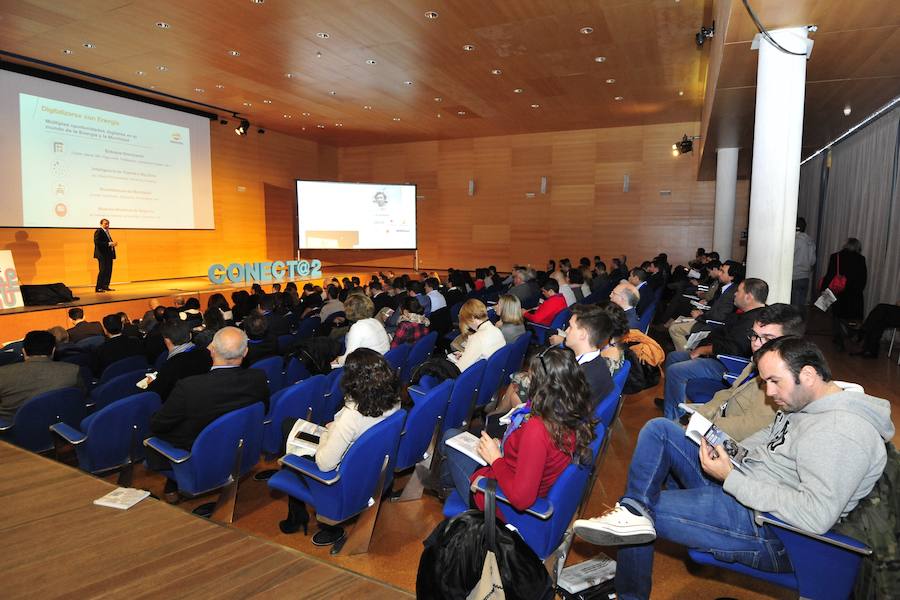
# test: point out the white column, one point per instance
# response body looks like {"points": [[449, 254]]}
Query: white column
{"points": [[726, 183], [780, 86]]}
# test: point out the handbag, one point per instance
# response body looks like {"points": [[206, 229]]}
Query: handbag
{"points": [[472, 557], [838, 282]]}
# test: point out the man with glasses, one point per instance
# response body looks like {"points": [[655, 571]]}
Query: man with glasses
{"points": [[743, 409]]}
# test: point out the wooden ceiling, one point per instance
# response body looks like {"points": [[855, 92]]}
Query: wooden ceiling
{"points": [[855, 62], [648, 44]]}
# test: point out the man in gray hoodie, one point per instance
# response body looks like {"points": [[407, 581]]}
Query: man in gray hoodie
{"points": [[804, 261], [823, 453]]}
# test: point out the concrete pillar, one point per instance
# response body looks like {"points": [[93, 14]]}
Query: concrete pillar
{"points": [[726, 183], [780, 86]]}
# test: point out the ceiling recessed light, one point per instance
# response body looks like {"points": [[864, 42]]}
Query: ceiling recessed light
{"points": [[320, 126], [306, 114], [600, 59], [535, 106], [681, 92], [318, 55], [289, 75], [338, 124], [89, 45], [439, 115], [496, 72], [396, 118], [152, 87], [322, 35], [303, 129], [199, 90], [371, 61], [469, 47], [248, 104], [518, 91], [431, 15], [407, 83], [586, 30], [333, 93], [162, 68], [257, 1], [267, 102], [162, 25], [286, 116], [219, 86], [617, 98], [367, 107], [234, 53], [847, 111], [461, 113], [139, 73], [610, 80], [66, 51], [438, 99]]}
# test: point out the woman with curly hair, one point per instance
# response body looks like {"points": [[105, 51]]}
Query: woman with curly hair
{"points": [[551, 431], [371, 394], [364, 332]]}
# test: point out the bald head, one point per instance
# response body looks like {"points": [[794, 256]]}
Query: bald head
{"points": [[625, 295], [228, 346]]}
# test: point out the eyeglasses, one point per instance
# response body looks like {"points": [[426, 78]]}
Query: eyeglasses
{"points": [[541, 356], [755, 337]]}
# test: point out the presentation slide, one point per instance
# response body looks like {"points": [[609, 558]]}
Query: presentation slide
{"points": [[81, 156], [356, 216]]}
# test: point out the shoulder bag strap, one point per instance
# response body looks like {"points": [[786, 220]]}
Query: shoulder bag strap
{"points": [[490, 515]]}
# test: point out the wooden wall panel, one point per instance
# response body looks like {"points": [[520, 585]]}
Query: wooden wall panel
{"points": [[585, 211], [240, 168]]}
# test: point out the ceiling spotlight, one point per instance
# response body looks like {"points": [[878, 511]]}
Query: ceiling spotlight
{"points": [[438, 99], [219, 86], [199, 90], [619, 98], [286, 116], [306, 114], [469, 47], [322, 35], [162, 25], [371, 61], [610, 80], [257, 1], [407, 83], [535, 106], [676, 152], [234, 53], [289, 75], [704, 34], [496, 72], [66, 51], [681, 92], [332, 93], [518, 91], [684, 146], [162, 68], [461, 113], [318, 55], [600, 59], [431, 15], [367, 107], [586, 30], [396, 118], [243, 128], [338, 124], [847, 111], [260, 131], [248, 104], [140, 73], [320, 126], [267, 102], [89, 45]]}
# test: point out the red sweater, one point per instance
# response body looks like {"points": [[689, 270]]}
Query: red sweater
{"points": [[530, 465], [543, 314]]}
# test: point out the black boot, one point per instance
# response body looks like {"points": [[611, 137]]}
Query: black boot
{"points": [[297, 517], [328, 535]]}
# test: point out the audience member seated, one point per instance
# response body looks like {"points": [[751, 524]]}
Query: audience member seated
{"points": [[417, 291], [456, 292], [483, 339], [743, 409], [80, 328], [413, 324], [511, 322], [190, 312], [722, 305], [599, 276], [154, 345], [791, 470], [276, 324], [117, 345], [365, 332], [732, 338], [523, 289], [380, 298], [129, 328], [218, 301], [37, 374], [332, 305], [63, 345], [705, 288], [260, 344], [371, 394], [213, 320], [550, 307], [638, 278], [881, 317], [657, 272], [432, 290], [627, 296], [589, 331], [576, 285], [538, 447], [619, 269], [197, 401], [184, 358], [614, 352], [149, 321]]}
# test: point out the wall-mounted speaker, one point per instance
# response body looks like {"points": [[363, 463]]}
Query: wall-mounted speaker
{"points": [[543, 184], [471, 187]]}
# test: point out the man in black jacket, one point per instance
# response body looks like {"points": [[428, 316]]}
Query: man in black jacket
{"points": [[184, 359], [732, 338], [197, 401], [105, 253], [117, 346], [588, 333], [80, 328]]}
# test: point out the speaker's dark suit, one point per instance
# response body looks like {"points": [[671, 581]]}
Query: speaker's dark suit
{"points": [[197, 401], [105, 255]]}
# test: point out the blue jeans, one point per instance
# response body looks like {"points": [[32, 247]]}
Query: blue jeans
{"points": [[681, 368], [700, 516], [457, 468]]}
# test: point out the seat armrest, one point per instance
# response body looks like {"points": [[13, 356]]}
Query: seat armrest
{"points": [[542, 508], [309, 469], [175, 455], [830, 537], [415, 390], [69, 434], [538, 325], [5, 425], [741, 359]]}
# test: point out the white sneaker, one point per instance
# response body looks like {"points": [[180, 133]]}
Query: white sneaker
{"points": [[616, 527]]}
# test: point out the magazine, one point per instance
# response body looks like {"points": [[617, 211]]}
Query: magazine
{"points": [[587, 574], [467, 443], [701, 427], [303, 440], [695, 338], [122, 498], [825, 300]]}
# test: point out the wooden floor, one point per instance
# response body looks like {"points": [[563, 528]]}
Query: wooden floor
{"points": [[57, 543]]}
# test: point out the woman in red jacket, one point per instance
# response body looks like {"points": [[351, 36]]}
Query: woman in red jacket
{"points": [[540, 443]]}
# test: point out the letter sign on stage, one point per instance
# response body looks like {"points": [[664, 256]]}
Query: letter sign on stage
{"points": [[10, 294]]}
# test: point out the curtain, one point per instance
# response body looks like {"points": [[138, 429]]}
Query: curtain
{"points": [[810, 188], [861, 202]]}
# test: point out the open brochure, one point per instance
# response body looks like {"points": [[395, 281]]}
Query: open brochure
{"points": [[122, 498], [825, 300], [699, 305], [587, 574], [467, 443], [701, 427], [695, 338], [303, 440]]}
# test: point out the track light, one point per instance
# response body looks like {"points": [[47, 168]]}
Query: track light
{"points": [[243, 128], [684, 146], [704, 34]]}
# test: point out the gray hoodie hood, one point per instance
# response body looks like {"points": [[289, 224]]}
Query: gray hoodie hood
{"points": [[876, 411]]}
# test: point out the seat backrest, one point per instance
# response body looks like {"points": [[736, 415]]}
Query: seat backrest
{"points": [[560, 320], [464, 394], [396, 357], [494, 374], [294, 401], [31, 426], [82, 359], [454, 312], [295, 371], [115, 389], [285, 341], [517, 354], [440, 321], [90, 342], [114, 433], [420, 424], [332, 397], [124, 365], [308, 326], [330, 318], [645, 319], [359, 470], [418, 354], [273, 368], [213, 452], [621, 377]]}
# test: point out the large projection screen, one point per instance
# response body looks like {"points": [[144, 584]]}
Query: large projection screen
{"points": [[356, 216], [71, 156]]}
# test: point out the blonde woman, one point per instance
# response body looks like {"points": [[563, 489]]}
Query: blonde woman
{"points": [[511, 323], [483, 338]]}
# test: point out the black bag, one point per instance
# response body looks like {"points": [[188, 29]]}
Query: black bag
{"points": [[641, 376], [46, 294], [451, 564], [437, 367], [316, 353]]}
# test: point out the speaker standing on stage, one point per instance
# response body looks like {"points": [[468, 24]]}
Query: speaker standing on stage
{"points": [[105, 253]]}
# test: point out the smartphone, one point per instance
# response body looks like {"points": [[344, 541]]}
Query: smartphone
{"points": [[307, 437]]}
